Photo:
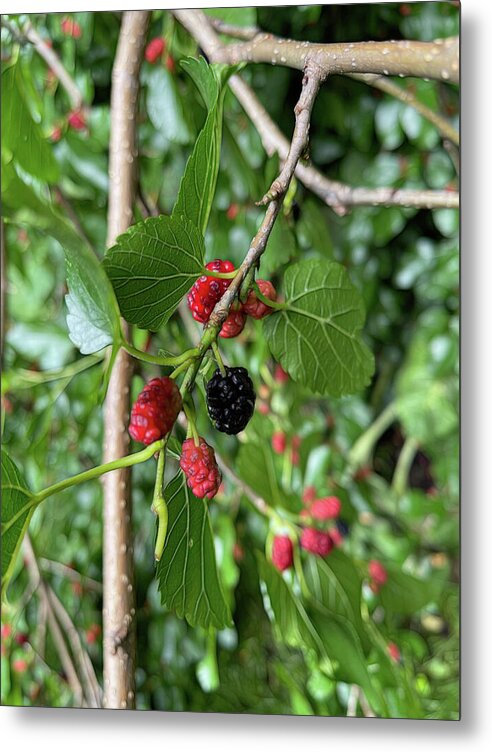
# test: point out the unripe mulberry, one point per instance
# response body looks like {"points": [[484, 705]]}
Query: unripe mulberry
{"points": [[316, 542], [200, 467], [253, 306], [377, 572], [282, 552], [233, 325], [326, 509], [155, 410], [154, 50], [207, 291]]}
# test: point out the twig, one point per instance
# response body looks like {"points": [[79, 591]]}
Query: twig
{"points": [[54, 62], [56, 567], [231, 30], [444, 127], [119, 597], [92, 690], [310, 86], [336, 195], [56, 633]]}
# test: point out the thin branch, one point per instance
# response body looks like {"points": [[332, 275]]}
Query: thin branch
{"points": [[92, 690], [56, 65], [444, 127], [437, 60], [56, 633], [336, 195], [57, 568], [310, 86], [231, 30], [118, 576]]}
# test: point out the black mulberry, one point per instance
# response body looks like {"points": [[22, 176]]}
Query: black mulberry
{"points": [[230, 400]]}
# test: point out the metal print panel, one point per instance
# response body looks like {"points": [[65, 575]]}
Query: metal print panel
{"points": [[230, 313]]}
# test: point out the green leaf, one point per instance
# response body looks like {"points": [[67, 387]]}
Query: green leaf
{"points": [[187, 572], [234, 16], [20, 134], [152, 266], [93, 316], [255, 466], [427, 396], [336, 644], [316, 338], [165, 106], [197, 188], [292, 624], [404, 594], [336, 586], [15, 494]]}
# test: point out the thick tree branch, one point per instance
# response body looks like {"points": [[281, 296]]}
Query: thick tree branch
{"points": [[119, 599], [437, 60], [336, 195]]}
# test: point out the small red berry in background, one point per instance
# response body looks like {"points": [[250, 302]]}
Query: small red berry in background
{"points": [[207, 291], [76, 120], [232, 212], [336, 536], [21, 638], [316, 542], [233, 325], [394, 652], [263, 408], [326, 509], [238, 552], [282, 552], [295, 457], [255, 307], [200, 467], [19, 665], [6, 631], [405, 10], [170, 64], [71, 28], [279, 442], [56, 134], [378, 575], [154, 49], [280, 376], [93, 633], [309, 495], [155, 410], [77, 588]]}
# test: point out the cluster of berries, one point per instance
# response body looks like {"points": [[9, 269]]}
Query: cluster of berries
{"points": [[230, 402], [279, 445], [207, 291], [319, 542]]}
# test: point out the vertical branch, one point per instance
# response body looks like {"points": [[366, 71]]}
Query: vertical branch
{"points": [[118, 595]]}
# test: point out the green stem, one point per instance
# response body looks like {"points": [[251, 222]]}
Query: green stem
{"points": [[247, 284], [75, 480], [219, 275], [180, 369], [159, 506], [270, 303], [362, 450], [189, 410], [218, 358], [173, 360], [23, 379], [402, 469]]}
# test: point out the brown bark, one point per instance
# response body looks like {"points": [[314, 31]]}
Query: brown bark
{"points": [[336, 195], [118, 585]]}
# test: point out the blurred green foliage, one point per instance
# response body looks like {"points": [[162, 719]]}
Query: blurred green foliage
{"points": [[405, 264]]}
